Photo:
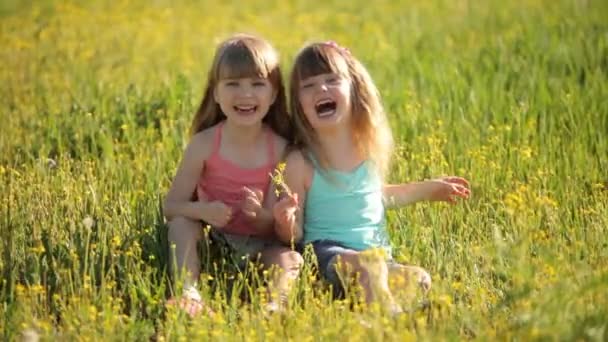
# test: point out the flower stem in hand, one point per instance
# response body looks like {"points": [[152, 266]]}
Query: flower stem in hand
{"points": [[278, 179]]}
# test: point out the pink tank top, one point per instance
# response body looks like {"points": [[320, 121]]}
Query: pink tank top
{"points": [[222, 180]]}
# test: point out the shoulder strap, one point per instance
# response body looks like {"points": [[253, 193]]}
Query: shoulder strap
{"points": [[270, 146], [217, 138]]}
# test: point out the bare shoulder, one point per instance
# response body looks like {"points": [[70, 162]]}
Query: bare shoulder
{"points": [[296, 159], [299, 167], [280, 144], [201, 144]]}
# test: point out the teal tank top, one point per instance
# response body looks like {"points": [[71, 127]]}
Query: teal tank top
{"points": [[346, 207]]}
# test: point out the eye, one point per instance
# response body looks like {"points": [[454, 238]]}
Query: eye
{"points": [[307, 85], [231, 83], [259, 83], [333, 80]]}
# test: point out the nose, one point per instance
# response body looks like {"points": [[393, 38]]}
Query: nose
{"points": [[246, 90], [323, 86]]}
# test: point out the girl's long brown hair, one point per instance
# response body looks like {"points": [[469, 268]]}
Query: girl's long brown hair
{"points": [[240, 56], [371, 132]]}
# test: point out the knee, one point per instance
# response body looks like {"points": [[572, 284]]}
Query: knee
{"points": [[294, 259], [424, 280], [285, 259], [422, 277], [290, 260], [353, 266]]}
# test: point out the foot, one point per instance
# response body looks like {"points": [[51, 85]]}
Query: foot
{"points": [[193, 307], [394, 309], [277, 305]]}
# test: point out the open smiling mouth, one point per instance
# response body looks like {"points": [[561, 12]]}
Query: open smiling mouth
{"points": [[245, 109], [325, 108]]}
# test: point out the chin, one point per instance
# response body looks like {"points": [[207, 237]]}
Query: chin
{"points": [[247, 120]]}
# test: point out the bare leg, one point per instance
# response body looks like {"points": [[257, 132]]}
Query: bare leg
{"points": [[372, 275], [285, 265], [405, 275], [407, 281], [184, 234]]}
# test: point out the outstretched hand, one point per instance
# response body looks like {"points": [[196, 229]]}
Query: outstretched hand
{"points": [[448, 189]]}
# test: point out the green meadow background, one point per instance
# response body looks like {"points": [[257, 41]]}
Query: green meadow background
{"points": [[95, 103]]}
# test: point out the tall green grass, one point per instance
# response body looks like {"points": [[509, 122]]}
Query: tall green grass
{"points": [[96, 100]]}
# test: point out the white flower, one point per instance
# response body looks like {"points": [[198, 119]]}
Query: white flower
{"points": [[88, 222]]}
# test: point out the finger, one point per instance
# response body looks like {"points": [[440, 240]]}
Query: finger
{"points": [[255, 193], [250, 208], [249, 213], [288, 199], [281, 204], [259, 195], [247, 193], [250, 203], [458, 180], [461, 191], [294, 199], [458, 194]]}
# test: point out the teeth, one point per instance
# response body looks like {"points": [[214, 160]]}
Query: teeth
{"points": [[324, 101], [324, 114], [245, 108], [325, 107]]}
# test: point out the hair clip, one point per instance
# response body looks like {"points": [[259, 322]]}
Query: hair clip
{"points": [[337, 46]]}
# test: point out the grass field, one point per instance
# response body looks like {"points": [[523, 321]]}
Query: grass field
{"points": [[96, 100]]}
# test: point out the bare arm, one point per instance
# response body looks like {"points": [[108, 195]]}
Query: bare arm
{"points": [[178, 201], [398, 195], [289, 210], [441, 189]]}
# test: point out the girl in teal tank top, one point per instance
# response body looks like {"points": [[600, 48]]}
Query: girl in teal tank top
{"points": [[331, 201], [334, 197]]}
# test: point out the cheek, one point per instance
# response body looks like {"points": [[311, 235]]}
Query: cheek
{"points": [[307, 107], [346, 91], [221, 95], [305, 101], [270, 96]]}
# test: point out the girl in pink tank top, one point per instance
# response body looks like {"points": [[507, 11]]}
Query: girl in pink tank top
{"points": [[223, 180], [238, 133]]}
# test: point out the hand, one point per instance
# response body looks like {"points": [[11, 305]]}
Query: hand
{"points": [[252, 202], [448, 189], [284, 211], [216, 213]]}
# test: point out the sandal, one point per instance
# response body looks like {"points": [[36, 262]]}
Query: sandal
{"points": [[193, 307]]}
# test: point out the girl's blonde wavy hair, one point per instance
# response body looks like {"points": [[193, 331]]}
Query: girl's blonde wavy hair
{"points": [[371, 132], [239, 56]]}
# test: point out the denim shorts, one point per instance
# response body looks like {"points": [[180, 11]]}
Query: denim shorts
{"points": [[326, 252]]}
